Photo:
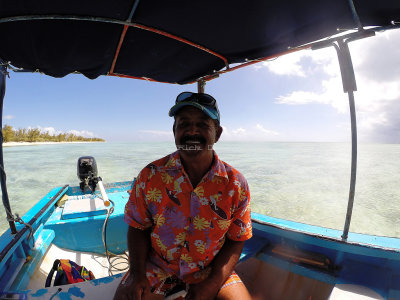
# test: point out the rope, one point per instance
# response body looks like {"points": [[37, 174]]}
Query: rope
{"points": [[7, 65], [19, 220]]}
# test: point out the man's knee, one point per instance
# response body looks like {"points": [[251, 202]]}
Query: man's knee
{"points": [[234, 291]]}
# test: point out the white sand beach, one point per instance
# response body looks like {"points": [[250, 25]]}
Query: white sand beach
{"points": [[12, 144]]}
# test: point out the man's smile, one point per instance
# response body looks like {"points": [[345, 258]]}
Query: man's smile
{"points": [[194, 140]]}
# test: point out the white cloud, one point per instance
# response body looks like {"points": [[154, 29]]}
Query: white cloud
{"points": [[8, 117], [288, 65], [378, 59], [239, 131], [251, 133], [376, 62], [233, 134], [84, 133], [300, 97], [153, 135], [49, 130], [332, 94], [266, 131], [157, 132], [368, 122], [295, 64], [53, 131]]}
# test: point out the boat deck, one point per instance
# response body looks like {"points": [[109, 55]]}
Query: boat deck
{"points": [[264, 281]]}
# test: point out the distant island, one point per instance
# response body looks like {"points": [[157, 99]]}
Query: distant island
{"points": [[34, 135]]}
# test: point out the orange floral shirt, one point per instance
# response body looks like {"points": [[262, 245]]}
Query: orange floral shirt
{"points": [[188, 226]]}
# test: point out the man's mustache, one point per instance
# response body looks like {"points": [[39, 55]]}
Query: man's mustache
{"points": [[196, 138]]}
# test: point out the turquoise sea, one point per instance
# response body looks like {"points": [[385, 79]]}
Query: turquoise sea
{"points": [[305, 182]]}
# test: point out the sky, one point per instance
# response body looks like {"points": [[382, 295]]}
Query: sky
{"points": [[297, 97]]}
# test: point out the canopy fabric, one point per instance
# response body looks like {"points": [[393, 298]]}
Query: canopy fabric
{"points": [[232, 32]]}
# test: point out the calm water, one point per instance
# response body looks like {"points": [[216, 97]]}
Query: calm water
{"points": [[305, 182]]}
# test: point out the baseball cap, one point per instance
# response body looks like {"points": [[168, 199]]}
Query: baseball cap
{"points": [[204, 102]]}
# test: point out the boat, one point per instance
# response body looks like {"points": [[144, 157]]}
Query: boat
{"points": [[180, 43]]}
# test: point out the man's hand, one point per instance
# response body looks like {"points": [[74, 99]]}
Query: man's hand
{"points": [[136, 285], [133, 288], [222, 267], [205, 290]]}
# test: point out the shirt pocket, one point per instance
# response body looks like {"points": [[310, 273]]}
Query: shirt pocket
{"points": [[220, 220]]}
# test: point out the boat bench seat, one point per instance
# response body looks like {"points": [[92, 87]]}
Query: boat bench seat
{"points": [[83, 206], [43, 240], [305, 263], [102, 288], [353, 291]]}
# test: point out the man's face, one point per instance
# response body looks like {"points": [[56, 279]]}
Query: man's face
{"points": [[194, 131]]}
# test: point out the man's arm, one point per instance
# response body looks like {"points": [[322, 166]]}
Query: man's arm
{"points": [[222, 267], [136, 285], [138, 246]]}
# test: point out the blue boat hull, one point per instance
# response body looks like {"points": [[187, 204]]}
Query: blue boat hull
{"points": [[313, 252]]}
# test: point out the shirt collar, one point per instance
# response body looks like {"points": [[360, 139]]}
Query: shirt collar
{"points": [[217, 168], [173, 162]]}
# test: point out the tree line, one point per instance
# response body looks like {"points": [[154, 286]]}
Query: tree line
{"points": [[36, 135]]}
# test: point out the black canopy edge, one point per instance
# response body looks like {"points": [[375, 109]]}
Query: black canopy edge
{"points": [[126, 25]]}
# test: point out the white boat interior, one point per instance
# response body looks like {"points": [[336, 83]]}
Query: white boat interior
{"points": [[263, 280]]}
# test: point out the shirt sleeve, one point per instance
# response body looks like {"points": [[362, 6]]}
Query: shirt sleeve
{"points": [[240, 228], [137, 214]]}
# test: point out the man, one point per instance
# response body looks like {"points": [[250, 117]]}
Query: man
{"points": [[188, 214]]}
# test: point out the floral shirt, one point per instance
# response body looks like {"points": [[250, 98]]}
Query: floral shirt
{"points": [[188, 226]]}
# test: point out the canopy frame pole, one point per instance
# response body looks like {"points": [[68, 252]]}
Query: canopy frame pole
{"points": [[201, 84], [349, 87], [6, 201], [355, 15], [122, 37]]}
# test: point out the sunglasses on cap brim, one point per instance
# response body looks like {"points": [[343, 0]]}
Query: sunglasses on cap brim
{"points": [[200, 98]]}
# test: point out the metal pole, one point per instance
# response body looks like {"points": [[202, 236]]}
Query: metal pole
{"points": [[200, 86], [135, 5], [6, 202], [356, 18], [353, 165], [349, 86]]}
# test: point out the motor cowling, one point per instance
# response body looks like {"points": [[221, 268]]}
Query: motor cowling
{"points": [[87, 173]]}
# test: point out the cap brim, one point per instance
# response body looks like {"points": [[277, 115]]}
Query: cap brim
{"points": [[211, 112]]}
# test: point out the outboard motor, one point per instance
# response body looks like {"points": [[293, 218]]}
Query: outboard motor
{"points": [[87, 173]]}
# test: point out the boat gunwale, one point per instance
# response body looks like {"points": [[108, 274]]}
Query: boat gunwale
{"points": [[355, 239], [17, 237]]}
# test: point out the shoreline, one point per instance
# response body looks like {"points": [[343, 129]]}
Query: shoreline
{"points": [[12, 144]]}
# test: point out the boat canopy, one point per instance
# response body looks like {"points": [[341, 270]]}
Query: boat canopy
{"points": [[181, 42], [175, 41]]}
